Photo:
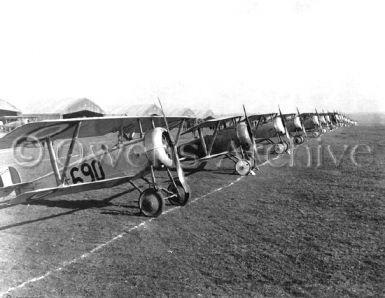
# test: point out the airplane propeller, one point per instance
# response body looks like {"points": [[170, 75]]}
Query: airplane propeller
{"points": [[319, 120], [284, 123], [286, 131], [250, 131], [178, 166], [303, 126]]}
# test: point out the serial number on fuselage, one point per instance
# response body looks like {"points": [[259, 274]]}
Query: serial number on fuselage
{"points": [[89, 171]]}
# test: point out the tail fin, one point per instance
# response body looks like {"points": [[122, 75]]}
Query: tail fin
{"points": [[10, 181]]}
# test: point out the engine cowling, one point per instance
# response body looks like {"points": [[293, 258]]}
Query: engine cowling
{"points": [[243, 135], [278, 125], [158, 147], [297, 122], [315, 120]]}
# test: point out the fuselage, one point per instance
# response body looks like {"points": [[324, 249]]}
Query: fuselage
{"points": [[93, 160]]}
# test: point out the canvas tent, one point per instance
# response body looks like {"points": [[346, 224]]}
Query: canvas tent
{"points": [[204, 114], [136, 110], [181, 112], [65, 108], [6, 109]]}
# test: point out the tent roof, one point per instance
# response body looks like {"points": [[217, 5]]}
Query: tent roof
{"points": [[65, 106], [136, 110], [4, 105], [181, 112], [203, 114]]}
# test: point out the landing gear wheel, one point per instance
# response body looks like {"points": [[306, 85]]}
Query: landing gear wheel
{"points": [[286, 145], [151, 203], [243, 167], [279, 148], [182, 197], [298, 140]]}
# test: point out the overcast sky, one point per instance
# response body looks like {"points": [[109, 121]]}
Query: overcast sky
{"points": [[218, 54]]}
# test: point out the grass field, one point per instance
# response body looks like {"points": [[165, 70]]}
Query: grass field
{"points": [[309, 226]]}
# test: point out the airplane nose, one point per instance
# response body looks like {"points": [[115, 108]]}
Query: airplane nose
{"points": [[278, 125], [297, 122], [243, 135], [315, 120]]}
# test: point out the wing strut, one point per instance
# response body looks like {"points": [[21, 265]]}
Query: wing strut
{"points": [[202, 140], [53, 160], [179, 132], [140, 128], [70, 151], [210, 149]]}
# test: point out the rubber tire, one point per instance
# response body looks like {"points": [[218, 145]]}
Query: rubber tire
{"points": [[243, 167], [282, 148], [151, 203], [298, 140], [178, 201]]}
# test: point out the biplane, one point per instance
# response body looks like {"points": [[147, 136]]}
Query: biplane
{"points": [[225, 137], [329, 123], [114, 150], [335, 119], [295, 127], [322, 122], [311, 124], [270, 129]]}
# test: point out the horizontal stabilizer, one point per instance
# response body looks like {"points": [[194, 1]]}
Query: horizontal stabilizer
{"points": [[5, 191], [64, 190]]}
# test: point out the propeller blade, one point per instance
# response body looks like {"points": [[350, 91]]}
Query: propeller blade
{"points": [[178, 166], [303, 126], [319, 121], [250, 131], [284, 123]]}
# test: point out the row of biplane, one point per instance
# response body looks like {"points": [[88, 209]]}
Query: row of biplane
{"points": [[57, 157]]}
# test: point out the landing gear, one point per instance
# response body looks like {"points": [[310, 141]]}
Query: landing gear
{"points": [[151, 202], [243, 167], [179, 196]]}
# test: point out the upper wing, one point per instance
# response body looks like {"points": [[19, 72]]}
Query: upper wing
{"points": [[210, 123], [89, 127], [257, 117]]}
